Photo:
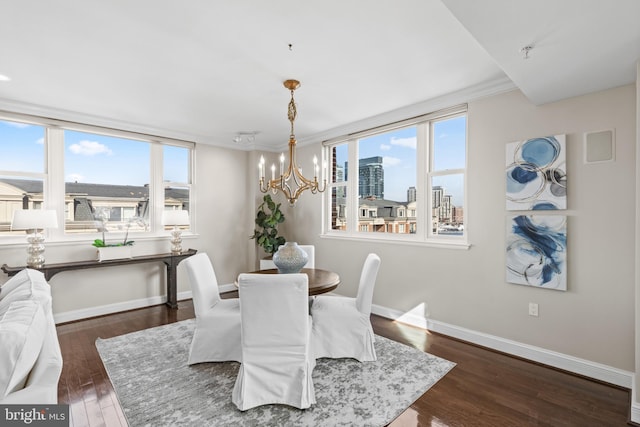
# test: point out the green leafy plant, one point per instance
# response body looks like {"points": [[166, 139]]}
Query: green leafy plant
{"points": [[268, 218]]}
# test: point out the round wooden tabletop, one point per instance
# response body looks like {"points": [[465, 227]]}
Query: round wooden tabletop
{"points": [[320, 281]]}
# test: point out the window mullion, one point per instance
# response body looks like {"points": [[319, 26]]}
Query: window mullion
{"points": [[352, 188], [54, 188], [156, 188], [423, 189]]}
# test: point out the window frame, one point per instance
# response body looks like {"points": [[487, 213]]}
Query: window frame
{"points": [[54, 178], [424, 175]]}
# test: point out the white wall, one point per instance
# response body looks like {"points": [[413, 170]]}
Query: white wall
{"points": [[594, 319]]}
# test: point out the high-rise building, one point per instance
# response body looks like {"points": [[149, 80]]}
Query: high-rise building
{"points": [[437, 193], [411, 194], [371, 177], [340, 191]]}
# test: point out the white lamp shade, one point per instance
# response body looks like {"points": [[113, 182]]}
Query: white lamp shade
{"points": [[175, 217], [28, 219]]}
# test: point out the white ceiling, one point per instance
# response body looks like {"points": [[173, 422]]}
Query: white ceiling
{"points": [[205, 70]]}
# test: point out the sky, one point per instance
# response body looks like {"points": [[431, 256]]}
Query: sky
{"points": [[98, 159], [89, 158], [398, 150]]}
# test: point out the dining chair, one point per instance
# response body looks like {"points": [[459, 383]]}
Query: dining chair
{"points": [[311, 253], [342, 325], [217, 334], [277, 360]]}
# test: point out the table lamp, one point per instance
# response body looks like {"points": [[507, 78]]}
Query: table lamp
{"points": [[175, 218], [34, 221]]}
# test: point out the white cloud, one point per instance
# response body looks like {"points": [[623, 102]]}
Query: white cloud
{"points": [[40, 141], [405, 142], [391, 161], [89, 148], [385, 147], [74, 177]]}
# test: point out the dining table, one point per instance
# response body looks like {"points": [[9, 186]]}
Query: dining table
{"points": [[320, 281]]}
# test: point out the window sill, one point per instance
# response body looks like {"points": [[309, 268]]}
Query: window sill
{"points": [[432, 243], [87, 240]]}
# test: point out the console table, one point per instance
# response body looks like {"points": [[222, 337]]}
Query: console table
{"points": [[170, 260]]}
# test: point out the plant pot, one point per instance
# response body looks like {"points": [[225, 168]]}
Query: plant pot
{"points": [[290, 258], [114, 252]]}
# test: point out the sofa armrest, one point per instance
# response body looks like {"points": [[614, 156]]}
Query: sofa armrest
{"points": [[42, 383]]}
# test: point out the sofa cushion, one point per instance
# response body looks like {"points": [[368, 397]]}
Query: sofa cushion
{"points": [[22, 331], [29, 285], [14, 282]]}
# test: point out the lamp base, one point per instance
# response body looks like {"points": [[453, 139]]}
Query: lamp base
{"points": [[176, 241], [35, 251]]}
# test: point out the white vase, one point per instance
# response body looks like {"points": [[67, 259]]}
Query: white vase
{"points": [[114, 252], [290, 258]]}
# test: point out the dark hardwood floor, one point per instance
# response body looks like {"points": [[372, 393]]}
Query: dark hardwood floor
{"points": [[486, 388]]}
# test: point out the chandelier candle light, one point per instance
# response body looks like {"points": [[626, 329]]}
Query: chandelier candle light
{"points": [[291, 181]]}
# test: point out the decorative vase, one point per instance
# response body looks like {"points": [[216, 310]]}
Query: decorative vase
{"points": [[114, 252], [290, 258]]}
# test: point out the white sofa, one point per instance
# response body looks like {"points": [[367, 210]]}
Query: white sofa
{"points": [[30, 358]]}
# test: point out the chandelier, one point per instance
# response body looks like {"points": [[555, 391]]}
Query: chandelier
{"points": [[291, 181]]}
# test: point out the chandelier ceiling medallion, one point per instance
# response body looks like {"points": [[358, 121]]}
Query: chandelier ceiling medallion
{"points": [[291, 181]]}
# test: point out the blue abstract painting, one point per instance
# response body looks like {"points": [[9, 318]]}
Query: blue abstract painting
{"points": [[537, 251], [536, 174]]}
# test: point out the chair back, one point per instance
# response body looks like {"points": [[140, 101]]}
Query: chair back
{"points": [[204, 284], [311, 253], [277, 361], [367, 283], [274, 309]]}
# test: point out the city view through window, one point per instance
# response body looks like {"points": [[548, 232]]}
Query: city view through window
{"points": [[106, 178], [388, 179]]}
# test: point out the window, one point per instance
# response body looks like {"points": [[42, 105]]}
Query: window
{"points": [[338, 188], [98, 180], [411, 179], [176, 179], [22, 170], [106, 183]]}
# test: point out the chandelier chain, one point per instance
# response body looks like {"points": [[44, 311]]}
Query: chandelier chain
{"points": [[292, 113]]}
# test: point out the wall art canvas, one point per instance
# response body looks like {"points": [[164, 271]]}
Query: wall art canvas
{"points": [[536, 174], [537, 251]]}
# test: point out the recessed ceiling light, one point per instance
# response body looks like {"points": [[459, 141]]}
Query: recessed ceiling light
{"points": [[4, 78]]}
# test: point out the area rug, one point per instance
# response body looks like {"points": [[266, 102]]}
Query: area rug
{"points": [[156, 387]]}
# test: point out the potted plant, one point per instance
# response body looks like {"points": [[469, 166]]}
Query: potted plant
{"points": [[268, 217], [115, 250]]}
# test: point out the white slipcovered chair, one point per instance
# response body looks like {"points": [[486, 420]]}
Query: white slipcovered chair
{"points": [[217, 334], [277, 361], [311, 253], [342, 325], [266, 264]]}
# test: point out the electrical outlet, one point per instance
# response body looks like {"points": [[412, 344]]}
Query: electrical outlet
{"points": [[533, 309]]}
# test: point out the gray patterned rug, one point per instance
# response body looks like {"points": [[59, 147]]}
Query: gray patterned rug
{"points": [[156, 387]]}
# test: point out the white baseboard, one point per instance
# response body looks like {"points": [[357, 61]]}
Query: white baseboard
{"points": [[634, 411], [562, 361], [85, 313], [537, 354], [227, 288]]}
